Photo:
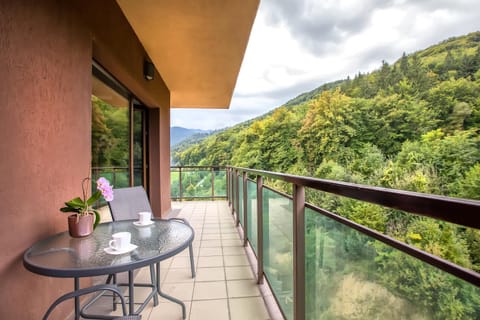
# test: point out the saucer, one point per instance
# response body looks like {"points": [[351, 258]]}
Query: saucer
{"points": [[131, 247], [138, 224]]}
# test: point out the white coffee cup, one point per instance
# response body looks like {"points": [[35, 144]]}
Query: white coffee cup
{"points": [[144, 217], [120, 241]]}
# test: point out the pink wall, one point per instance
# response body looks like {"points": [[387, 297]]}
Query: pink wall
{"points": [[45, 90], [46, 50]]}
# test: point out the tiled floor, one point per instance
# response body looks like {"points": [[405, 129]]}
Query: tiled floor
{"points": [[224, 287]]}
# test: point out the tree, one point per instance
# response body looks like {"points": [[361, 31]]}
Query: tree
{"points": [[325, 129]]}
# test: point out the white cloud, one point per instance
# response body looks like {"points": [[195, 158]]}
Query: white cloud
{"points": [[298, 45]]}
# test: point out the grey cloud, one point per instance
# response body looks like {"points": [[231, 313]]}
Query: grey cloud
{"points": [[322, 29]]}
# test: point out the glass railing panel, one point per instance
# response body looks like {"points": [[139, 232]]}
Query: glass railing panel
{"points": [[233, 181], [174, 183], [352, 276], [138, 177], [252, 214], [240, 199], [196, 183], [278, 247], [220, 183]]}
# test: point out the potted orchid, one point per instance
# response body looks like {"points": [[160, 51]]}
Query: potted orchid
{"points": [[86, 218]]}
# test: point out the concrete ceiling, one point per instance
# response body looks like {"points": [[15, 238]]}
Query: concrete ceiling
{"points": [[197, 46]]}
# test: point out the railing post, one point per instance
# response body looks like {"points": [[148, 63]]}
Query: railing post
{"points": [[298, 252], [227, 184], [213, 183], [180, 182], [114, 182], [237, 199], [245, 202], [232, 181], [259, 230]]}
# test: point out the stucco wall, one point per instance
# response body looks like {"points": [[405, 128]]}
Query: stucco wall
{"points": [[46, 50], [45, 90]]}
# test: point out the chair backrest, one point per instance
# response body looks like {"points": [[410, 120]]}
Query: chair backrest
{"points": [[128, 202]]}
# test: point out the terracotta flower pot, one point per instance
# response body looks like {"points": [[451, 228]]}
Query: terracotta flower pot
{"points": [[81, 226]]}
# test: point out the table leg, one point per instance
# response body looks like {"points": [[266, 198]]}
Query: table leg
{"points": [[168, 297], [77, 299], [131, 299]]}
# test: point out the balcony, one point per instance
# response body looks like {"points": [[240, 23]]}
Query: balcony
{"points": [[321, 265], [259, 247]]}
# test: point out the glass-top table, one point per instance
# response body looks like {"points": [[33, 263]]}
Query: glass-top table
{"points": [[63, 256]]}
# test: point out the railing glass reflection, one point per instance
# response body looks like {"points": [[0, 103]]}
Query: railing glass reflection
{"points": [[278, 247], [252, 214], [353, 276]]}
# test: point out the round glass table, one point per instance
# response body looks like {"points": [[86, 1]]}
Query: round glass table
{"points": [[63, 256]]}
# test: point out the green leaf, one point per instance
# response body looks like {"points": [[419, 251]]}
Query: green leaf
{"points": [[94, 197], [97, 219], [76, 203], [69, 209]]}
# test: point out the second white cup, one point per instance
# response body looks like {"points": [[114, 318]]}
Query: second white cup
{"points": [[144, 217], [120, 241]]}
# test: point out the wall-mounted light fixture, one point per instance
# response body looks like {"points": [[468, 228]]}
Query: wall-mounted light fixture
{"points": [[148, 70]]}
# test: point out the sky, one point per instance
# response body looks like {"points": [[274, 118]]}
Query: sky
{"points": [[297, 45]]}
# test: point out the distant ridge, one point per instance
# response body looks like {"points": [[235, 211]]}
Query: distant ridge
{"points": [[179, 134]]}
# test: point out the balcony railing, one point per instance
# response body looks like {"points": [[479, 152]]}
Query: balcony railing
{"points": [[320, 265], [194, 182]]}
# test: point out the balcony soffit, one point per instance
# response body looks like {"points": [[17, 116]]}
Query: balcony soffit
{"points": [[196, 45]]}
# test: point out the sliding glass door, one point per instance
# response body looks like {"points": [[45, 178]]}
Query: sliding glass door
{"points": [[119, 133]]}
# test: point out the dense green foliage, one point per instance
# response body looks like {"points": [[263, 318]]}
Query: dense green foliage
{"points": [[110, 141], [413, 125]]}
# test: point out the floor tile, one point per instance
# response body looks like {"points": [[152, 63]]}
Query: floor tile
{"points": [[212, 236], [231, 261], [210, 290], [230, 236], [210, 274], [167, 310], [212, 261], [242, 288], [211, 231], [210, 309], [180, 262], [178, 275], [232, 243], [206, 252], [182, 291], [234, 251], [210, 243], [237, 273], [248, 308]]}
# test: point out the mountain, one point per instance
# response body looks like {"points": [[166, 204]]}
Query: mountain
{"points": [[179, 134]]}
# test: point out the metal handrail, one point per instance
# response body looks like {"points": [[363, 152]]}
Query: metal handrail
{"points": [[459, 211]]}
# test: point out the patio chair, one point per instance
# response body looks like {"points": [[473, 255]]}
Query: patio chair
{"points": [[98, 288], [126, 204]]}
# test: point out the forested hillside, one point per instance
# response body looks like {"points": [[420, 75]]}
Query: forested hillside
{"points": [[179, 134], [411, 125]]}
